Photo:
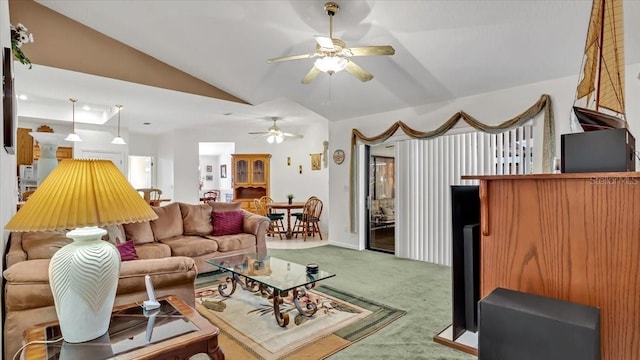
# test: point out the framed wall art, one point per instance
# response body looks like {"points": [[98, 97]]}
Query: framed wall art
{"points": [[209, 168], [338, 156], [316, 160], [223, 171]]}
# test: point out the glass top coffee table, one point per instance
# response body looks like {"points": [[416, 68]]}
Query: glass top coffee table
{"points": [[272, 277]]}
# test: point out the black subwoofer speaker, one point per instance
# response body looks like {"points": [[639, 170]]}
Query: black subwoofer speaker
{"points": [[598, 151], [519, 326]]}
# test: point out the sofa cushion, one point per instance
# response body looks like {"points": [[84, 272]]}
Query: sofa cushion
{"points": [[191, 246], [234, 242], [43, 244], [169, 221], [140, 232], [154, 250], [227, 222], [196, 219], [127, 251], [222, 206]]}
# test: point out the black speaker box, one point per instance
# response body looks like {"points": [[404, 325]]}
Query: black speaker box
{"points": [[519, 326], [610, 150]]}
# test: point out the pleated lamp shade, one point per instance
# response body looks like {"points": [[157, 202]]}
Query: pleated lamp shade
{"points": [[81, 193]]}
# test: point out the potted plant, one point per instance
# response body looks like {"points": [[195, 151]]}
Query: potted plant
{"points": [[290, 197]]}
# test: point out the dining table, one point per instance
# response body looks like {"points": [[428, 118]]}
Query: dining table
{"points": [[286, 206]]}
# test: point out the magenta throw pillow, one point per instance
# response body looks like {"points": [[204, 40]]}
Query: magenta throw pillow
{"points": [[227, 222], [127, 251]]}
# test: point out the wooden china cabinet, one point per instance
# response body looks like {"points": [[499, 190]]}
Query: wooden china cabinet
{"points": [[250, 178]]}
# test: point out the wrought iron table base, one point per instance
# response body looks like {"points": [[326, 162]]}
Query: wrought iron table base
{"points": [[282, 318]]}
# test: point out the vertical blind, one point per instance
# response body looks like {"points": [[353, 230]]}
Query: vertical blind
{"points": [[425, 170]]}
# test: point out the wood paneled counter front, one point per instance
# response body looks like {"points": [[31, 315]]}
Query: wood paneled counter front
{"points": [[574, 237]]}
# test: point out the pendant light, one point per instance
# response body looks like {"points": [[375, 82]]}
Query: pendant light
{"points": [[118, 140], [73, 136]]}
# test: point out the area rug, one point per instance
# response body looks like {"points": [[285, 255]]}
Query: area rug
{"points": [[249, 329]]}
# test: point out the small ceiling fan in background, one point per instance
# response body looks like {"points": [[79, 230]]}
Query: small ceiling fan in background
{"points": [[333, 54], [275, 134]]}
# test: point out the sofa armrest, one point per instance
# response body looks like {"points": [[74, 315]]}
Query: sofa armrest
{"points": [[257, 225], [15, 254]]}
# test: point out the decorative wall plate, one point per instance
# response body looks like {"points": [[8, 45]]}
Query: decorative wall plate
{"points": [[338, 156]]}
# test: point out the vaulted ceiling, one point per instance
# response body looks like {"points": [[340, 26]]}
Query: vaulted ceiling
{"points": [[444, 50]]}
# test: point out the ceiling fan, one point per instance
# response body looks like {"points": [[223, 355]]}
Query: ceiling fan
{"points": [[333, 54], [275, 134]]}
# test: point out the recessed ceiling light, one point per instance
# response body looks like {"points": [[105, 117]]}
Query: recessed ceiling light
{"points": [[86, 108], [146, 123], [23, 97]]}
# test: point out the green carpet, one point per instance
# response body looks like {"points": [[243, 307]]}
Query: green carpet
{"points": [[421, 289]]}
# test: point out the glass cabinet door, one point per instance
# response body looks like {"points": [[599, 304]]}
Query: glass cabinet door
{"points": [[259, 172], [242, 172]]}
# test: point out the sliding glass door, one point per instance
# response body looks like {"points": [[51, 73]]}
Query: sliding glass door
{"points": [[381, 198]]}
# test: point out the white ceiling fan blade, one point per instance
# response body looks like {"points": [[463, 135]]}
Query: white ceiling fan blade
{"points": [[259, 133], [324, 42], [357, 71], [292, 135], [311, 75], [291, 57], [372, 50]]}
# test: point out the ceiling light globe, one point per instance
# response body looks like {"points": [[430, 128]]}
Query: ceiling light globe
{"points": [[331, 64], [271, 139], [279, 139]]}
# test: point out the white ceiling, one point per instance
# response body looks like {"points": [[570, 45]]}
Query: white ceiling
{"points": [[444, 50]]}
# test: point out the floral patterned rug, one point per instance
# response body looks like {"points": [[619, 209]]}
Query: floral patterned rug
{"points": [[249, 329]]}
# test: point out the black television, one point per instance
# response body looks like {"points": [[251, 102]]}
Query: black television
{"points": [[465, 269]]}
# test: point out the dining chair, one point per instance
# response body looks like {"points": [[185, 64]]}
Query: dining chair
{"points": [[26, 194], [151, 195], [307, 223], [210, 195], [276, 226]]}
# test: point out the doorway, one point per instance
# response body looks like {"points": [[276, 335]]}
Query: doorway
{"points": [[140, 172], [381, 194]]}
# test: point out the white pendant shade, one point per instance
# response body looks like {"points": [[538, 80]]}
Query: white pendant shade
{"points": [[73, 137], [118, 141]]}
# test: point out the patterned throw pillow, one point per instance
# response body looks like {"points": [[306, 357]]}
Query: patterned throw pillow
{"points": [[127, 251], [227, 222]]}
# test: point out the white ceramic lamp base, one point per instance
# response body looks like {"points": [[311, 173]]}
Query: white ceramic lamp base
{"points": [[84, 276]]}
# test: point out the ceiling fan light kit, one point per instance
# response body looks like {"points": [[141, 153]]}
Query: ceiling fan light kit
{"points": [[333, 54]]}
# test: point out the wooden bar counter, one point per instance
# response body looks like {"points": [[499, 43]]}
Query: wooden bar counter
{"points": [[574, 237]]}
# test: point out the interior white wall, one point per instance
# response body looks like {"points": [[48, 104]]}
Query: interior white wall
{"points": [[164, 165], [8, 184], [145, 145], [214, 162], [491, 108]]}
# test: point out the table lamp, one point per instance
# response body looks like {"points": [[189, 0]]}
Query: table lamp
{"points": [[83, 195]]}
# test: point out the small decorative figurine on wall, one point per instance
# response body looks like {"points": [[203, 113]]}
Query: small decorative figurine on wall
{"points": [[325, 147]]}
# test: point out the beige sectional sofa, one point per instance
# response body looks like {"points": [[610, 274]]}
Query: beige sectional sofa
{"points": [[171, 249]]}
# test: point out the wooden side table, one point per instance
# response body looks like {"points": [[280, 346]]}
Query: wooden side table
{"points": [[177, 331]]}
